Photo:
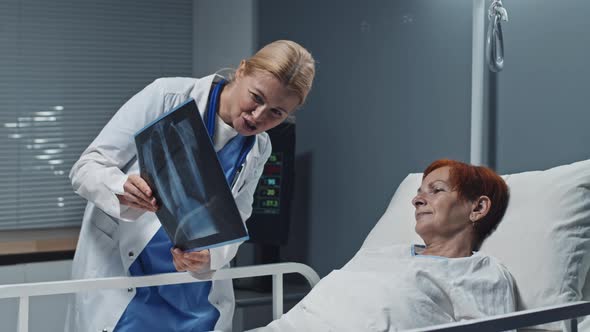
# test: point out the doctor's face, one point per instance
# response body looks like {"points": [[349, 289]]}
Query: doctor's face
{"points": [[258, 102], [440, 211]]}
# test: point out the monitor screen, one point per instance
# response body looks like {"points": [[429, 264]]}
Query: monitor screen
{"points": [[269, 223]]}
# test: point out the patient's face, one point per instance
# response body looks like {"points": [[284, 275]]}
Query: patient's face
{"points": [[440, 211]]}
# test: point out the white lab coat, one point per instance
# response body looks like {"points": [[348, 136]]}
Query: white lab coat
{"points": [[113, 235]]}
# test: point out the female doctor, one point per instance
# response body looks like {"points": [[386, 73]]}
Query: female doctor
{"points": [[121, 234]]}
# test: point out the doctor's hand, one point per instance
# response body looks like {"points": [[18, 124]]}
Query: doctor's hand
{"points": [[138, 194], [195, 261]]}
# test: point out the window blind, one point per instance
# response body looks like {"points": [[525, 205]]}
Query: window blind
{"points": [[66, 66]]}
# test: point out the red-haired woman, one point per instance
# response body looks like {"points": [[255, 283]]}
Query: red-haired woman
{"points": [[399, 287], [458, 206]]}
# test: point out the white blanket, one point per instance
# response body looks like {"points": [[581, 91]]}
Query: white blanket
{"points": [[391, 289]]}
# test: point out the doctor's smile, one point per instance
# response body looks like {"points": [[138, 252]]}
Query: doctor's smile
{"points": [[249, 124]]}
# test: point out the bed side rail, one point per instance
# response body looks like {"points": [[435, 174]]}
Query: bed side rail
{"points": [[568, 312], [26, 290]]}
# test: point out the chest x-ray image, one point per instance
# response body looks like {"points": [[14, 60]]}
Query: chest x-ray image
{"points": [[177, 159]]}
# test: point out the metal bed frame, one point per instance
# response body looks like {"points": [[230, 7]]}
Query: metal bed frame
{"points": [[25, 290], [565, 312]]}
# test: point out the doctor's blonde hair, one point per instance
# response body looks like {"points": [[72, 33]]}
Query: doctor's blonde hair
{"points": [[288, 62]]}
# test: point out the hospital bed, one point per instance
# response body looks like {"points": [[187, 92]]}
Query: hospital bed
{"points": [[544, 241]]}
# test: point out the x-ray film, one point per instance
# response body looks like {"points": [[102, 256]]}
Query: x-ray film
{"points": [[177, 159]]}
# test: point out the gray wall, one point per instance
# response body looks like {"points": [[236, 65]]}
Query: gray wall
{"points": [[543, 112], [224, 32], [392, 93]]}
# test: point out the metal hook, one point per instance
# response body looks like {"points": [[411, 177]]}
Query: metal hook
{"points": [[495, 39], [496, 8]]}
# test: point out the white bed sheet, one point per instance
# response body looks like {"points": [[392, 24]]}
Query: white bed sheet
{"points": [[389, 289]]}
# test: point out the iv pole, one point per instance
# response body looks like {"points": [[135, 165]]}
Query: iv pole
{"points": [[477, 84], [495, 57]]}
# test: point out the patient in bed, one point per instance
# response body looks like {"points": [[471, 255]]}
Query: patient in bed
{"points": [[409, 286]]}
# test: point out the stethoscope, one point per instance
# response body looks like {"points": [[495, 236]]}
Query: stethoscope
{"points": [[495, 41], [210, 125]]}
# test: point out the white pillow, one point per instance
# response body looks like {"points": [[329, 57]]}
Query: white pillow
{"points": [[543, 240], [397, 223]]}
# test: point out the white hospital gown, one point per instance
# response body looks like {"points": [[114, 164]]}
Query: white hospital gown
{"points": [[391, 289]]}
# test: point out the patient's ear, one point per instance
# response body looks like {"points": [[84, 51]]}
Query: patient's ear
{"points": [[480, 208]]}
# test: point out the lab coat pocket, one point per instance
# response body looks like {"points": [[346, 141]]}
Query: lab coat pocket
{"points": [[240, 181], [106, 225]]}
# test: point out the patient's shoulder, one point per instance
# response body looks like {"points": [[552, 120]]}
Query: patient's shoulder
{"points": [[493, 281], [483, 263], [489, 260]]}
